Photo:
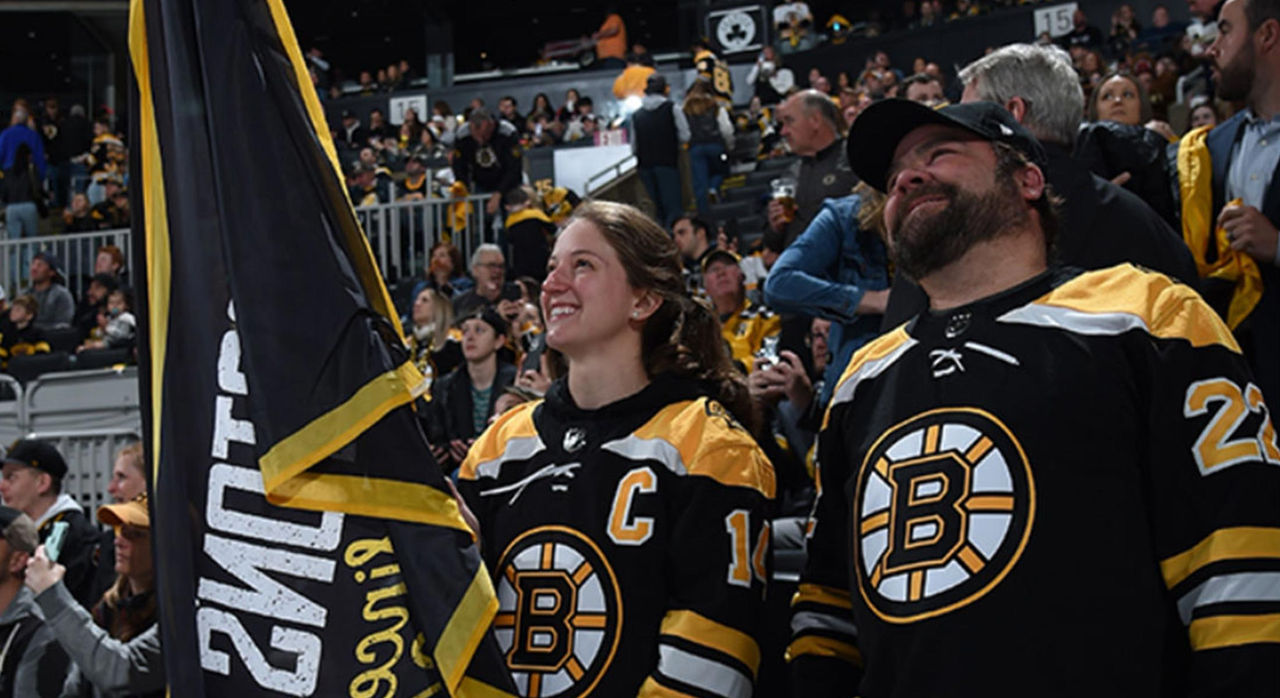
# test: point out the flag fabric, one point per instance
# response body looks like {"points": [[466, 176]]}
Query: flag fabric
{"points": [[306, 542]]}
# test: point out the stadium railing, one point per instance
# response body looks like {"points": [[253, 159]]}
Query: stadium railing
{"points": [[76, 253], [90, 455], [12, 416], [400, 235]]}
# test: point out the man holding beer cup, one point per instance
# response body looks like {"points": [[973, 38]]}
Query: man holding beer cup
{"points": [[811, 126]]}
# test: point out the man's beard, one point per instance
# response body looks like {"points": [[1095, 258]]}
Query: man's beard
{"points": [[1235, 79], [924, 244]]}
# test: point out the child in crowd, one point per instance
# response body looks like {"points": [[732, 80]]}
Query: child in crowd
{"points": [[18, 334], [117, 327]]}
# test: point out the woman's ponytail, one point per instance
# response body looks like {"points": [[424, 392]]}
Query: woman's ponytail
{"points": [[685, 341]]}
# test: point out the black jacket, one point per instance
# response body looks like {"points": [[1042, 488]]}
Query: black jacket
{"points": [[79, 550], [1100, 225], [495, 166], [1109, 149], [451, 402], [657, 143]]}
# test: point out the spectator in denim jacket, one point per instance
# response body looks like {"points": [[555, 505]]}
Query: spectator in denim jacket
{"points": [[836, 269]]}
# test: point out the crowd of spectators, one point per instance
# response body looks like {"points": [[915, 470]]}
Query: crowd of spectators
{"points": [[1143, 84], [1115, 110], [79, 615], [61, 172], [45, 326], [797, 296]]}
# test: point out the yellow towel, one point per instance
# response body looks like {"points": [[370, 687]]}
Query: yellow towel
{"points": [[1195, 177]]}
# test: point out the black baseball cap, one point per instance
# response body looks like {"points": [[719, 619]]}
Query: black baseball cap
{"points": [[37, 454], [490, 317], [879, 129], [52, 260]]}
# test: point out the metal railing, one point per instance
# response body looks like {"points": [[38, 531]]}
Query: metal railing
{"points": [[90, 455], [76, 253], [609, 175], [400, 235]]}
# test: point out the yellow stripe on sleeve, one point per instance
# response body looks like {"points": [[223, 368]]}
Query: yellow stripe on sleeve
{"points": [[701, 630], [818, 646], [1228, 631], [1238, 543], [815, 593]]}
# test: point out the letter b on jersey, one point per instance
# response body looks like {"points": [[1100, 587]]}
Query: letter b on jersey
{"points": [[944, 505], [928, 525], [546, 601]]}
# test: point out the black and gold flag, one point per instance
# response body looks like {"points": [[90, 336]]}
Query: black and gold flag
{"points": [[306, 542]]}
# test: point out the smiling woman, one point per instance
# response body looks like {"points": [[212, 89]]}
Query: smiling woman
{"points": [[632, 490]]}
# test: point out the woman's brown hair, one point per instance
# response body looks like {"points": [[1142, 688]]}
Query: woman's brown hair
{"points": [[455, 257], [123, 616], [699, 100], [682, 337]]}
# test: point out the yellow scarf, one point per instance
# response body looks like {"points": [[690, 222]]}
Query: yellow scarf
{"points": [[1195, 177], [525, 214], [459, 210]]}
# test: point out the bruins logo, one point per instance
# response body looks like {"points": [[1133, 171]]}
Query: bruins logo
{"points": [[943, 509], [715, 410], [485, 157], [559, 615]]}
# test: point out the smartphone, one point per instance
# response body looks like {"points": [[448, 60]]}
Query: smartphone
{"points": [[511, 291], [53, 544]]}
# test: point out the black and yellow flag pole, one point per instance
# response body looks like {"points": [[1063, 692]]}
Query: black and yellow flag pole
{"points": [[306, 542]]}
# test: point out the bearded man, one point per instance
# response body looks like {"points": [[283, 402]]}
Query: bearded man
{"points": [[1226, 178], [1037, 486]]}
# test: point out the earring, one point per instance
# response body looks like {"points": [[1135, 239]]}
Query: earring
{"points": [[635, 313]]}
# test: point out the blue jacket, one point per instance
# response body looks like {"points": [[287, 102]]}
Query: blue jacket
{"points": [[825, 272], [15, 136]]}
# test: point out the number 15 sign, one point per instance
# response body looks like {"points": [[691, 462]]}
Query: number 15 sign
{"points": [[1056, 20]]}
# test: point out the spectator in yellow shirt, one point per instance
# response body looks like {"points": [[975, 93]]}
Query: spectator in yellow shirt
{"points": [[745, 326]]}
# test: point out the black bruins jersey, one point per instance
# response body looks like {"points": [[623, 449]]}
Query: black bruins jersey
{"points": [[489, 167], [1069, 489], [716, 72], [628, 544]]}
